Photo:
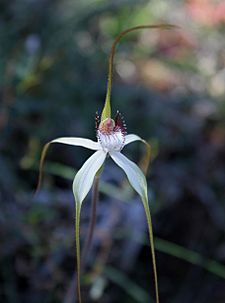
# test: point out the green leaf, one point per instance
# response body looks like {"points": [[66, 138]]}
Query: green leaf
{"points": [[137, 293], [190, 256]]}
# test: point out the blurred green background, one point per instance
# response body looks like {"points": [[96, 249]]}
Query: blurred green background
{"points": [[170, 87]]}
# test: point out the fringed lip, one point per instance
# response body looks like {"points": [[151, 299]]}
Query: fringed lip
{"points": [[111, 133]]}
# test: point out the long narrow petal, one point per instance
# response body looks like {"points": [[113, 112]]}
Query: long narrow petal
{"points": [[78, 142], [144, 164], [138, 182], [81, 186], [85, 176], [133, 172], [64, 140]]}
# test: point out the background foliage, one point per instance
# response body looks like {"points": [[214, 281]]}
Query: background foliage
{"points": [[170, 88]]}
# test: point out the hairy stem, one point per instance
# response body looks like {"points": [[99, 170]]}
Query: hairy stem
{"points": [[107, 106], [88, 241]]}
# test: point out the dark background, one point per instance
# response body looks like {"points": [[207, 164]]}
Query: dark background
{"points": [[170, 86]]}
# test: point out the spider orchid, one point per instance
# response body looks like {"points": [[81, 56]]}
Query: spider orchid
{"points": [[111, 139]]}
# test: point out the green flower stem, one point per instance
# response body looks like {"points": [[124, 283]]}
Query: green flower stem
{"points": [[150, 230], [106, 112], [88, 242], [77, 237]]}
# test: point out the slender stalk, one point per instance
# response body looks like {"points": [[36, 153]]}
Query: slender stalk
{"points": [[88, 241], [41, 164], [151, 239], [107, 106], [77, 237]]}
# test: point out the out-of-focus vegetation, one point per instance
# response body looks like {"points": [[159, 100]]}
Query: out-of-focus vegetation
{"points": [[170, 86]]}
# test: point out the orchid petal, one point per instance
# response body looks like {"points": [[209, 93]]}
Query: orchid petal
{"points": [[65, 140], [82, 184], [78, 142], [133, 172], [132, 138], [85, 176], [138, 182], [144, 164]]}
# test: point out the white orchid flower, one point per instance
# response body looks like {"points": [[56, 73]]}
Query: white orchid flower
{"points": [[111, 139]]}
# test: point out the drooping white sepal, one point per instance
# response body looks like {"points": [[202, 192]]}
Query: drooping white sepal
{"points": [[85, 176], [133, 172], [78, 142]]}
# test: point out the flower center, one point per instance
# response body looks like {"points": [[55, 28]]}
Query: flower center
{"points": [[110, 136]]}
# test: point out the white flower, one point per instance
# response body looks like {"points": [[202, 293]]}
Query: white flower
{"points": [[111, 138]]}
